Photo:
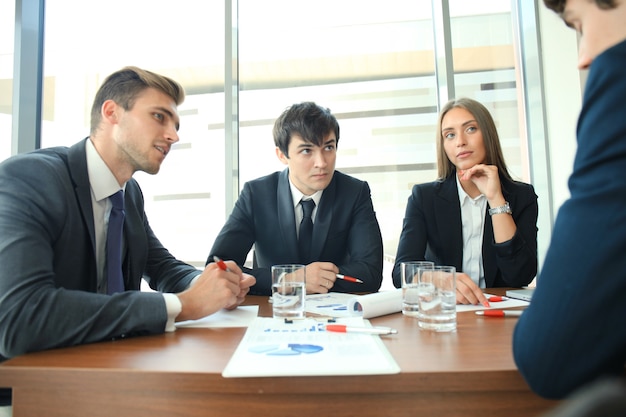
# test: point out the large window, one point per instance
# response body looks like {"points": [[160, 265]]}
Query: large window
{"points": [[485, 69], [372, 63], [375, 70], [184, 201], [7, 29]]}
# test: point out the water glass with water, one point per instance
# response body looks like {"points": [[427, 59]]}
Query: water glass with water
{"points": [[437, 299], [288, 290], [410, 272]]}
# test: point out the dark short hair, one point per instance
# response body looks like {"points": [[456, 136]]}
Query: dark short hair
{"points": [[559, 5], [493, 149], [125, 85], [309, 120]]}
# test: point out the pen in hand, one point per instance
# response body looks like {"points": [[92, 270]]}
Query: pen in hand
{"points": [[221, 264], [349, 279]]}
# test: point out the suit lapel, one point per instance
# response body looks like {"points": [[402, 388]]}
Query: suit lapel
{"points": [[489, 257], [286, 216], [448, 218], [77, 165]]}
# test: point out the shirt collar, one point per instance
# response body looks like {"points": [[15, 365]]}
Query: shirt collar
{"points": [[101, 179], [296, 195]]}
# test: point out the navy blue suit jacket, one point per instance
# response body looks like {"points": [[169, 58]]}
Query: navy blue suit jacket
{"points": [[48, 275], [573, 331], [345, 232], [432, 230]]}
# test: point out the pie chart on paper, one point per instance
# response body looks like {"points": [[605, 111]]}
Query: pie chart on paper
{"points": [[289, 349]]}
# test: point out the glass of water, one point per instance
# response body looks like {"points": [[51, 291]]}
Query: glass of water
{"points": [[410, 272], [288, 290], [437, 299]]}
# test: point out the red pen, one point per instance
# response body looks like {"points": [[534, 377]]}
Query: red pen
{"points": [[500, 313], [221, 264], [496, 298], [342, 328], [347, 278]]}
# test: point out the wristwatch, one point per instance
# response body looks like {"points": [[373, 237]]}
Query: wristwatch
{"points": [[506, 208]]}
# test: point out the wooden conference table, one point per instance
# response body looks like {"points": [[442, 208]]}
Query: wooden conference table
{"points": [[467, 373]]}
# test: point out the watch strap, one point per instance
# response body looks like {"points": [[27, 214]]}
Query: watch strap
{"points": [[506, 208]]}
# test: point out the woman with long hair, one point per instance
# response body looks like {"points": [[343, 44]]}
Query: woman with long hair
{"points": [[474, 216]]}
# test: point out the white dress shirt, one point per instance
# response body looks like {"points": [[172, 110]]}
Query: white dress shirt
{"points": [[473, 221]]}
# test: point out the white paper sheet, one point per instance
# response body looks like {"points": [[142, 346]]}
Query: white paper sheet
{"points": [[495, 305], [242, 316], [272, 347]]}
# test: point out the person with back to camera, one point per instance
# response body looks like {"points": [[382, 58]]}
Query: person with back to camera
{"points": [[346, 237], [573, 332], [474, 217]]}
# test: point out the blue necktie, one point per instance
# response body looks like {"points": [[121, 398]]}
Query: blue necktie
{"points": [[305, 235], [115, 280]]}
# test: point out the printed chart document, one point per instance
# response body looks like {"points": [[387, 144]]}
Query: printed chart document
{"points": [[273, 347], [335, 304]]}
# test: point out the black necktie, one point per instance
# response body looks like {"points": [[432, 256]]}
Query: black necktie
{"points": [[115, 280], [306, 231]]}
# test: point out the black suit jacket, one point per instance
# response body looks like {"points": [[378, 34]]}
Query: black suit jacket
{"points": [[346, 231], [432, 230], [48, 275]]}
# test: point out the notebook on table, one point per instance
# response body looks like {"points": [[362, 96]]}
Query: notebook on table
{"points": [[526, 294]]}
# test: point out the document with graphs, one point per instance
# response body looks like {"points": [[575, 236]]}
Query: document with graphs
{"points": [[302, 347]]}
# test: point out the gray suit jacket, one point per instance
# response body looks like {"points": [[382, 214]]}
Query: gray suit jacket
{"points": [[346, 231], [433, 231], [48, 276]]}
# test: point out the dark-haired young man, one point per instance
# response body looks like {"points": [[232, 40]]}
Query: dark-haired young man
{"points": [[345, 237]]}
